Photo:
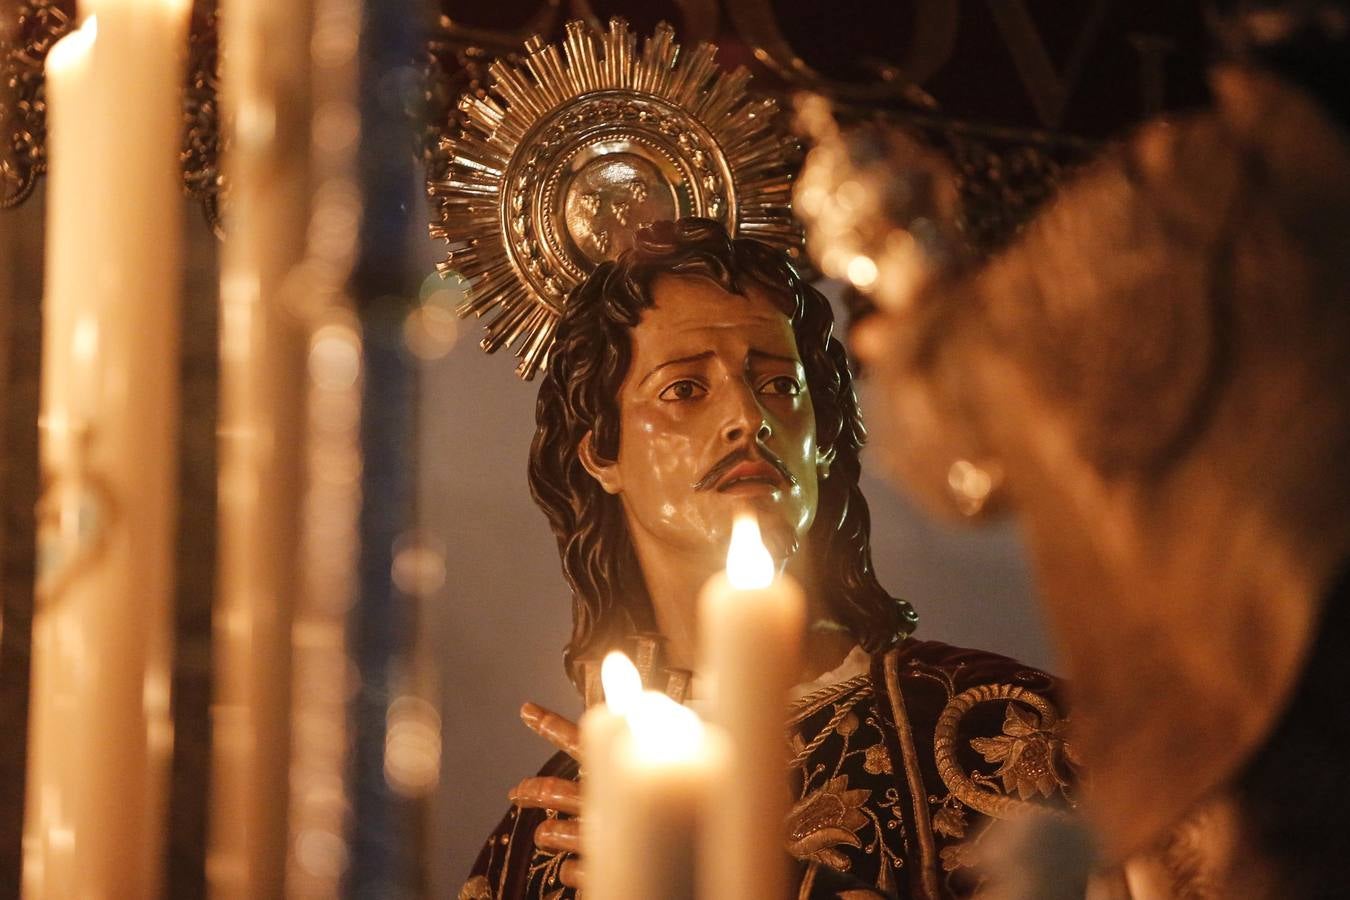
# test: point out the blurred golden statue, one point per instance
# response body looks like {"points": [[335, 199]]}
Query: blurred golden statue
{"points": [[1152, 378]]}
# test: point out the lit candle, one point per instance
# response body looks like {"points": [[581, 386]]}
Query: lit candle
{"points": [[601, 726], [751, 621], [101, 733], [647, 764]]}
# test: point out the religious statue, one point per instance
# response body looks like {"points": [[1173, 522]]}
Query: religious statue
{"points": [[1152, 378], [689, 372]]}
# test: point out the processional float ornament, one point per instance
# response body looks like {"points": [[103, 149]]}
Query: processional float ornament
{"points": [[566, 156]]}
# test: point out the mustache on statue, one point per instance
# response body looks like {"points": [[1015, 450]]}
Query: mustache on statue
{"points": [[739, 455]]}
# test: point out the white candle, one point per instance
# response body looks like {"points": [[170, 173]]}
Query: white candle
{"points": [[751, 622], [59, 633], [265, 342], [648, 764], [69, 156], [601, 727], [101, 732]]}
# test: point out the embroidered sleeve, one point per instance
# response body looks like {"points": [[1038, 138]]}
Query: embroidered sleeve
{"points": [[510, 866], [999, 747]]}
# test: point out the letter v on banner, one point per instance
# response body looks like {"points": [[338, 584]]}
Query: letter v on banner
{"points": [[1049, 89]]}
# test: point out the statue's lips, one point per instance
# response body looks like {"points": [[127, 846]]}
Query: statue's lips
{"points": [[750, 474]]}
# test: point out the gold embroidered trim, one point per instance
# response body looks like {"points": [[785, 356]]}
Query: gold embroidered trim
{"points": [[913, 778], [962, 786], [808, 882], [510, 843], [824, 735], [812, 702], [476, 888]]}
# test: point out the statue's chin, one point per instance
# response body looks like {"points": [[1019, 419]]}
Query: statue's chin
{"points": [[778, 534], [778, 520]]}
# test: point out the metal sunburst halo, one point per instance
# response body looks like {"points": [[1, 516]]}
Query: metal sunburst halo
{"points": [[568, 154]]}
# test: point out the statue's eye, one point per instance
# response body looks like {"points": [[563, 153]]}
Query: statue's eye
{"points": [[684, 389], [781, 386]]}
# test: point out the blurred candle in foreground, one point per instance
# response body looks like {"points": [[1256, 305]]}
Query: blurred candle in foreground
{"points": [[601, 726], [647, 765], [265, 354], [58, 694], [751, 621], [101, 735]]}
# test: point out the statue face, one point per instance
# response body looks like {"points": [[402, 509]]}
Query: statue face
{"points": [[714, 417]]}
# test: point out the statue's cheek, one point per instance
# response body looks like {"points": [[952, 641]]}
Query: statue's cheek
{"points": [[806, 499], [655, 431]]}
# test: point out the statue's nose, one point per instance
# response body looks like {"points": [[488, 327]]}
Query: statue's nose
{"points": [[746, 418]]}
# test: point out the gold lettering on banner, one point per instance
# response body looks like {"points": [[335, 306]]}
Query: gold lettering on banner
{"points": [[542, 21], [930, 46], [1049, 89], [700, 20]]}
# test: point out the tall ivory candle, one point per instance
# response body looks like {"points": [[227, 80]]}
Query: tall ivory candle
{"points": [[101, 732], [601, 726], [267, 109], [647, 765], [59, 695], [751, 622]]}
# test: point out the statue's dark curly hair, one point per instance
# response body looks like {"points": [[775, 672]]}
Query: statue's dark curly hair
{"points": [[587, 365]]}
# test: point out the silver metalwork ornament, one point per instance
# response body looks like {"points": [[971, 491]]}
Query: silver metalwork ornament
{"points": [[566, 156]]}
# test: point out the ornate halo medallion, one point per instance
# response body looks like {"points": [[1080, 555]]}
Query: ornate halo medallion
{"points": [[566, 156]]}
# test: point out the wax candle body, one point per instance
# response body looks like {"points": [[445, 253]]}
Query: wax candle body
{"points": [[642, 810], [101, 731], [59, 696], [601, 728], [751, 640], [258, 790]]}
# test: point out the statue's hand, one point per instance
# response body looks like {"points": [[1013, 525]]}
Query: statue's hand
{"points": [[557, 729], [560, 795]]}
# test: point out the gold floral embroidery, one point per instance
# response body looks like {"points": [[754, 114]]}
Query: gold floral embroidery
{"points": [[1031, 753], [476, 888], [826, 818], [950, 821], [546, 868], [877, 761]]}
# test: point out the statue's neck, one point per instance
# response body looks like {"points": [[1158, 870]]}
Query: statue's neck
{"points": [[674, 583], [674, 580]]}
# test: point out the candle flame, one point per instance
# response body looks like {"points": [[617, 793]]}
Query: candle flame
{"points": [[662, 729], [749, 565], [622, 683]]}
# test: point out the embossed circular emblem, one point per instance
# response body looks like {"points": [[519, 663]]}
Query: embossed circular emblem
{"points": [[611, 195], [571, 153]]}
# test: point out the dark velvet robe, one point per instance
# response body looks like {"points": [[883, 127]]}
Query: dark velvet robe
{"points": [[895, 772]]}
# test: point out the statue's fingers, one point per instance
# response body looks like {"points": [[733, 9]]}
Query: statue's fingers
{"points": [[557, 729], [572, 873], [540, 792], [559, 835]]}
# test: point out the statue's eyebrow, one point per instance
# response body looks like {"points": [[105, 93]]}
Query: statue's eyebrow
{"points": [[706, 354], [773, 357]]}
